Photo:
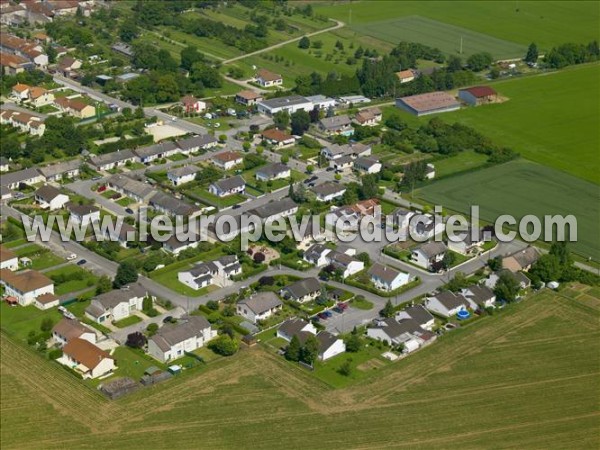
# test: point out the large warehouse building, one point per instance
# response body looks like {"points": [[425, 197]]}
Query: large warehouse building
{"points": [[430, 103]]}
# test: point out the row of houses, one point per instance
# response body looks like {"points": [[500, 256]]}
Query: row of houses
{"points": [[151, 153], [29, 50], [40, 12], [342, 124], [24, 121]]}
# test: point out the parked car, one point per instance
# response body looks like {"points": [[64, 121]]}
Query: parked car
{"points": [[236, 206], [81, 262], [322, 316], [129, 210], [329, 169], [168, 319], [72, 257], [102, 188]]}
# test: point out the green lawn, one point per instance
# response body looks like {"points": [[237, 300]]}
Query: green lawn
{"points": [[124, 201], [18, 321], [41, 257], [362, 303], [551, 119], [73, 285], [548, 23], [519, 188], [127, 321], [461, 162], [221, 202]]}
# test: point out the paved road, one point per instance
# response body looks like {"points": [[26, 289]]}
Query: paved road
{"points": [[15, 107]]}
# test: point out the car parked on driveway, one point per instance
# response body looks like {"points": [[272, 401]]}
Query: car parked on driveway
{"points": [[81, 262]]}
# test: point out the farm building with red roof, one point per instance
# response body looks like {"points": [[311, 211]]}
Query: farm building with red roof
{"points": [[477, 95]]}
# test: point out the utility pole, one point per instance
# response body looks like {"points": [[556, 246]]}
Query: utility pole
{"points": [[461, 45]]}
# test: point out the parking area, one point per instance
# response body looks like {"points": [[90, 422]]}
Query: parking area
{"points": [[345, 321]]}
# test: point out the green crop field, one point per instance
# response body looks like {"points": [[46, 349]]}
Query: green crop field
{"points": [[548, 23], [441, 35], [551, 119], [520, 188], [526, 377]]}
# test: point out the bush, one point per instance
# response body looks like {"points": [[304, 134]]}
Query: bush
{"points": [[213, 305], [55, 354], [152, 329], [224, 345]]}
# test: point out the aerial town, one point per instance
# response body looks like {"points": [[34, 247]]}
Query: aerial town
{"points": [[365, 118]]}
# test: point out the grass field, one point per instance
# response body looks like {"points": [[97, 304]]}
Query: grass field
{"points": [[522, 187], [466, 160], [551, 119], [441, 35], [527, 377], [548, 23]]}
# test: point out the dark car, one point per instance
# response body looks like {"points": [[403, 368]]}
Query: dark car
{"points": [[129, 210], [329, 169], [81, 262], [322, 316], [168, 319], [236, 206]]}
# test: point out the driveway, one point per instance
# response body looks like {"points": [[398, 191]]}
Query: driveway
{"points": [[120, 334]]}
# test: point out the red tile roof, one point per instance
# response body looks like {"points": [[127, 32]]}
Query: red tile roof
{"points": [[480, 91]]}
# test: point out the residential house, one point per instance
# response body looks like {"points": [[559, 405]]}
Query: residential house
{"points": [[344, 263], [346, 100], [329, 191], [173, 340], [259, 306], [25, 122], [87, 359], [25, 177], [329, 345], [168, 204], [8, 259], [156, 151], [467, 242], [406, 76], [39, 97], [113, 160], [429, 256], [367, 165], [68, 66], [248, 97], [369, 117], [345, 219], [61, 170], [176, 246], [290, 104], [13, 64], [419, 314], [479, 296], [196, 143], [228, 186], [387, 278], [337, 125], [25, 286], [429, 171], [275, 210], [447, 303], [20, 92], [291, 327], [217, 272], [278, 138], [75, 107], [227, 160], [68, 329], [426, 226], [344, 163], [134, 189], [317, 254], [83, 214], [302, 291], [123, 49], [477, 95], [192, 105], [29, 50], [48, 197], [522, 279], [406, 332], [521, 260], [274, 171], [117, 304], [335, 151], [5, 193], [46, 301], [182, 175], [401, 218], [266, 78], [123, 235]]}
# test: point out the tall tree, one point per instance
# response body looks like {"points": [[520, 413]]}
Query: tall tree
{"points": [[388, 309], [532, 53], [304, 43], [126, 274], [507, 288], [189, 56], [310, 350], [292, 352], [281, 119], [300, 122]]}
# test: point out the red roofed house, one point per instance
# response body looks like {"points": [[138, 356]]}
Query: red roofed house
{"points": [[277, 137], [87, 359], [266, 78], [75, 107], [406, 76], [227, 160], [477, 95], [191, 104]]}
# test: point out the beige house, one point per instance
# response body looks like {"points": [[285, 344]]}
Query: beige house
{"points": [[75, 107]]}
